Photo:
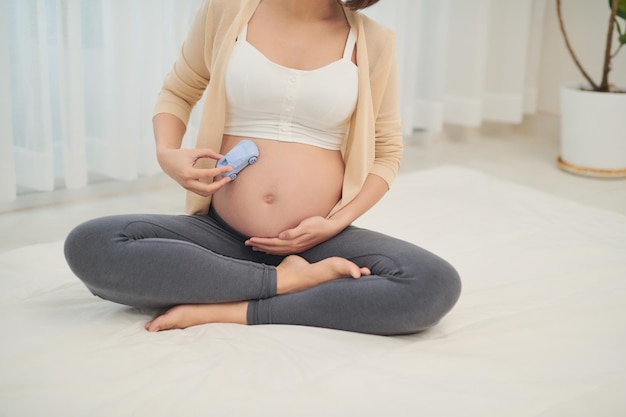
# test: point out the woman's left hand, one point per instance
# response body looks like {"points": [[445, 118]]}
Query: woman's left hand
{"points": [[304, 236]]}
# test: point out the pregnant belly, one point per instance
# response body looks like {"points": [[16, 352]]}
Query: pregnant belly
{"points": [[289, 183]]}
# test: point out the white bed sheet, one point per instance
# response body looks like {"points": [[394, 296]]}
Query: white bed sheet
{"points": [[539, 329]]}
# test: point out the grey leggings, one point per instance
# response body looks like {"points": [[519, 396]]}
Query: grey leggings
{"points": [[158, 261]]}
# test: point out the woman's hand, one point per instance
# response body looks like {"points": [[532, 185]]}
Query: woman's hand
{"points": [[307, 234], [179, 164]]}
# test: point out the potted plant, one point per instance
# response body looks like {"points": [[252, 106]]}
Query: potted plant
{"points": [[593, 137]]}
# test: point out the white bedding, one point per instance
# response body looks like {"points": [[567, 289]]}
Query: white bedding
{"points": [[539, 330]]}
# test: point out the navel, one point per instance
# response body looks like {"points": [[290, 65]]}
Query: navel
{"points": [[269, 198]]}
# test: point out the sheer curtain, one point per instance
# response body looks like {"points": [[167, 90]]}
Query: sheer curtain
{"points": [[79, 77], [465, 61]]}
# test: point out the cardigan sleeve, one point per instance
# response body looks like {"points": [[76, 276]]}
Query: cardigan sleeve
{"points": [[388, 129], [185, 83]]}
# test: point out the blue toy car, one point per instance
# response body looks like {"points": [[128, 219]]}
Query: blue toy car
{"points": [[243, 154]]}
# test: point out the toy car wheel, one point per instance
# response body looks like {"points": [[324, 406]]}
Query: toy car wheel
{"points": [[252, 160], [232, 177]]}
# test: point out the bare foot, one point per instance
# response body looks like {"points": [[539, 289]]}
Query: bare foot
{"points": [[294, 273], [183, 316]]}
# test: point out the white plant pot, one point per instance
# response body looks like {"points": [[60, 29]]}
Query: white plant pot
{"points": [[593, 133]]}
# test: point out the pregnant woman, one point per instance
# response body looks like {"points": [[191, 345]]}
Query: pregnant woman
{"points": [[313, 84]]}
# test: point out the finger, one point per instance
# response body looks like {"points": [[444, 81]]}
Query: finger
{"points": [[199, 153], [264, 241], [210, 172], [219, 183], [270, 245], [305, 228], [291, 234], [285, 235], [204, 189]]}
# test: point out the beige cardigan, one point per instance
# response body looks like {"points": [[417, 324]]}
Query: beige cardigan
{"points": [[374, 143]]}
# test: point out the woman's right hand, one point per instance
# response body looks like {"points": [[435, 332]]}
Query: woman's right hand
{"points": [[180, 165]]}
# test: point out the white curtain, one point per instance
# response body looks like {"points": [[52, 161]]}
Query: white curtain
{"points": [[465, 61], [78, 78]]}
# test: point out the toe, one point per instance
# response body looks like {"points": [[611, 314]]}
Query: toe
{"points": [[151, 326], [355, 272]]}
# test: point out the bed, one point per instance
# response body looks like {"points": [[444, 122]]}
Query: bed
{"points": [[539, 330]]}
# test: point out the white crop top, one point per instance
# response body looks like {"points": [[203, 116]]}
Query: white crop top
{"points": [[266, 100]]}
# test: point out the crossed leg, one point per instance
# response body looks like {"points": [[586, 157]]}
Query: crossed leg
{"points": [[293, 274]]}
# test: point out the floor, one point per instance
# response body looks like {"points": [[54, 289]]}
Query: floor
{"points": [[523, 154]]}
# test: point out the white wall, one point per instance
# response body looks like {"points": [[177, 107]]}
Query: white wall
{"points": [[586, 24]]}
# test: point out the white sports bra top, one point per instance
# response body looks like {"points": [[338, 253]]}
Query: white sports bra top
{"points": [[266, 100]]}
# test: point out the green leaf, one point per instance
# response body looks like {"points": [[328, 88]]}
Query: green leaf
{"points": [[622, 39], [621, 8]]}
